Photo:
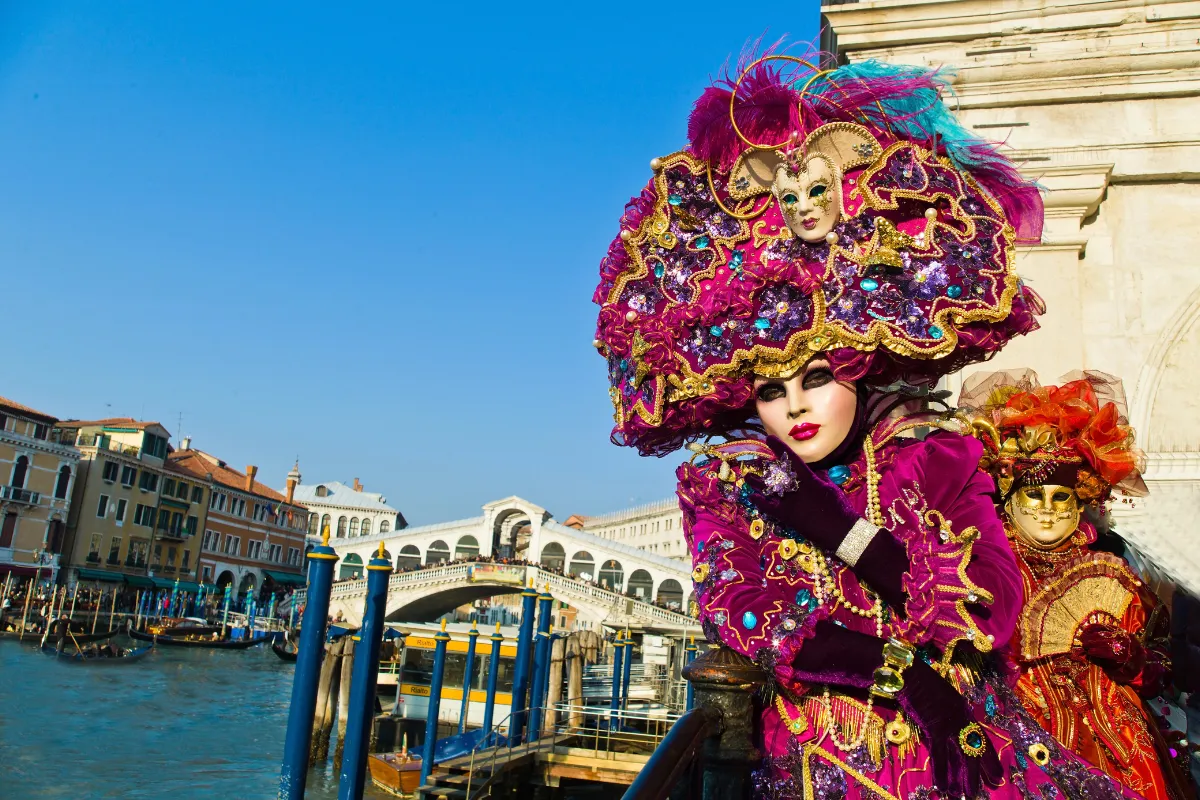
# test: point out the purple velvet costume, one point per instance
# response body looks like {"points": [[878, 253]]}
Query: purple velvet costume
{"points": [[757, 603]]}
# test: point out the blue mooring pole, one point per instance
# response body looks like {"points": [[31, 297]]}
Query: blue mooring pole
{"points": [[541, 662], [493, 668], [435, 701], [309, 649], [473, 635], [628, 670], [689, 656], [362, 681], [618, 652], [516, 724]]}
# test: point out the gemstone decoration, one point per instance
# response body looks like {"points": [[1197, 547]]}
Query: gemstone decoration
{"points": [[659, 270], [749, 620], [702, 242], [716, 330], [762, 323], [954, 291], [868, 284], [839, 474], [674, 199], [935, 332]]}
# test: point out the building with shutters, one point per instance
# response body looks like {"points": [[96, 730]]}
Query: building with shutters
{"points": [[39, 474], [349, 511]]}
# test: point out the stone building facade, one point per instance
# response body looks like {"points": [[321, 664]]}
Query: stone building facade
{"points": [[1099, 101]]}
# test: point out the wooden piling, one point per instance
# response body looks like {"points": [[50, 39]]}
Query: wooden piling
{"points": [[96, 611], [28, 600], [112, 610], [554, 685], [326, 700], [347, 670], [574, 657], [74, 595]]}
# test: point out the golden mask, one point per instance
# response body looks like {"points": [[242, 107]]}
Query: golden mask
{"points": [[1045, 515]]}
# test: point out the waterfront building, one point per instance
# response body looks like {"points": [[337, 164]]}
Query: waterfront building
{"points": [[132, 520], [1098, 101], [39, 474], [254, 537], [656, 528], [349, 511]]}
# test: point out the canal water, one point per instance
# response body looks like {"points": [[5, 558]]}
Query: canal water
{"points": [[179, 724]]}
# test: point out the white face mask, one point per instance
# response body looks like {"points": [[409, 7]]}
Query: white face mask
{"points": [[811, 412], [811, 199], [1044, 516]]}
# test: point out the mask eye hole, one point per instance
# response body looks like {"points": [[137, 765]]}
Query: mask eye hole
{"points": [[816, 191], [790, 198], [1032, 495], [1061, 497]]}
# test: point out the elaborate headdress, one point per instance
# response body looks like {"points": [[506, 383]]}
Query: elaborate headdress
{"points": [[1076, 434], [718, 273]]}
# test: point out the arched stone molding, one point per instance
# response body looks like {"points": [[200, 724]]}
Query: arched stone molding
{"points": [[501, 516], [1150, 377]]}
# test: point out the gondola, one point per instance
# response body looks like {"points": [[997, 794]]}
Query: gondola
{"points": [[283, 653], [82, 657], [212, 644]]}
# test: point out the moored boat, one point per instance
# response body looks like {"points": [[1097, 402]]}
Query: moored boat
{"points": [[396, 773], [213, 644], [99, 655], [283, 652]]}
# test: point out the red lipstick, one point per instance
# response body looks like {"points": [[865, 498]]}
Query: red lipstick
{"points": [[809, 224], [804, 431]]}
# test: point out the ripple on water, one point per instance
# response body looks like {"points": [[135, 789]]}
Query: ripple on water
{"points": [[181, 724]]}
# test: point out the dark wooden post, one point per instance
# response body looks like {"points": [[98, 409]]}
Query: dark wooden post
{"points": [[725, 682]]}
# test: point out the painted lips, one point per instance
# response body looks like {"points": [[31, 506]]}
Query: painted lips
{"points": [[809, 224], [804, 431]]}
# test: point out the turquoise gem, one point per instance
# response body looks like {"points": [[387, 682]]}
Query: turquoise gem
{"points": [[868, 284], [702, 242], [762, 323], [716, 330], [658, 271], [700, 546], [935, 332], [674, 199], [1021, 762], [737, 258], [839, 474], [990, 706], [954, 291], [803, 597], [749, 620], [624, 365]]}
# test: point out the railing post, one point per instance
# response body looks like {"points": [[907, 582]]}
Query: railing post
{"points": [[435, 701], [364, 675], [541, 663], [493, 668], [309, 649], [521, 666], [725, 682], [473, 635]]}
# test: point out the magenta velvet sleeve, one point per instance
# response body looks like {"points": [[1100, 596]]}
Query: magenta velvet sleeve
{"points": [[737, 603], [963, 581]]}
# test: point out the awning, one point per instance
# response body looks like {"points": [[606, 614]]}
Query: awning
{"points": [[140, 581], [285, 578], [162, 501], [163, 583], [99, 575], [188, 586], [16, 569]]}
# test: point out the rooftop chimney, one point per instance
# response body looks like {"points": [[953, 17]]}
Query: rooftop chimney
{"points": [[293, 479], [251, 471], [185, 443], [358, 487]]}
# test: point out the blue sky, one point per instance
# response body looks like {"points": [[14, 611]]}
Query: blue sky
{"points": [[368, 238]]}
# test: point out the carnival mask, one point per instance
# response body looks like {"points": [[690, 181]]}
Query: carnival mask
{"points": [[806, 177], [809, 194], [1044, 515], [811, 411]]}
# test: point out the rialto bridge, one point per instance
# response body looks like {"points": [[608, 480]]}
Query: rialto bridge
{"points": [[434, 574]]}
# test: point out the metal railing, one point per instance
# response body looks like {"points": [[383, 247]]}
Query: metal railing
{"points": [[18, 495]]}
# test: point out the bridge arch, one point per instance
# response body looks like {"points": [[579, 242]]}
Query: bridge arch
{"points": [[466, 547], [437, 552], [583, 565], [641, 584], [351, 566], [409, 558], [612, 574], [670, 593], [553, 557]]}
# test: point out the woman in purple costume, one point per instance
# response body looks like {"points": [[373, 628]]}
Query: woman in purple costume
{"points": [[781, 299]]}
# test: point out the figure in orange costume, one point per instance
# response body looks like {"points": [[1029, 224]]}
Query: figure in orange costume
{"points": [[1091, 641]]}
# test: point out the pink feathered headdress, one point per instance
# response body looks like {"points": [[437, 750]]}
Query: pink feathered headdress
{"points": [[712, 279]]}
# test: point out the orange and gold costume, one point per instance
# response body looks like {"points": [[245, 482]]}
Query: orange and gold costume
{"points": [[1074, 697], [1092, 640]]}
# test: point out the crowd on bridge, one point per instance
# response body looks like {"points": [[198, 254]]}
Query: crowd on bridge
{"points": [[670, 605]]}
